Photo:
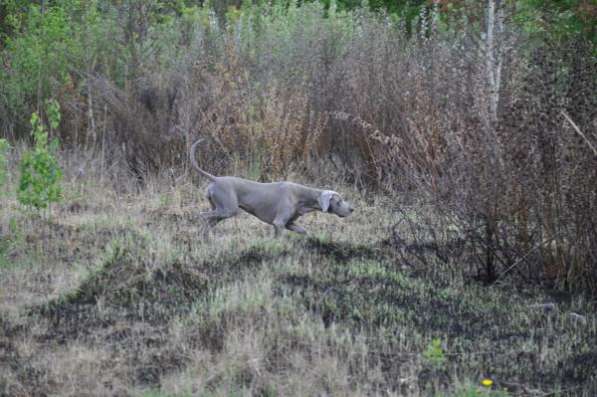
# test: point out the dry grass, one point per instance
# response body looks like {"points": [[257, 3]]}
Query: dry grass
{"points": [[262, 85], [115, 293], [118, 295]]}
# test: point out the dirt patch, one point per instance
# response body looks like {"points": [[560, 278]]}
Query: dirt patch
{"points": [[580, 368], [125, 288], [16, 370], [60, 243], [342, 251], [130, 288], [125, 308], [338, 296]]}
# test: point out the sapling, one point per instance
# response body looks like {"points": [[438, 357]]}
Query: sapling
{"points": [[39, 185]]}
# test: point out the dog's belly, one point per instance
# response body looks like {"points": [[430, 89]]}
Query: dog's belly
{"points": [[261, 215]]}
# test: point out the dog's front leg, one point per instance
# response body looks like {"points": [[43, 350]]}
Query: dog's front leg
{"points": [[278, 227], [280, 222], [296, 228]]}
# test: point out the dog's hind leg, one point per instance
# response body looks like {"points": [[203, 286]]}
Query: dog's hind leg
{"points": [[224, 205]]}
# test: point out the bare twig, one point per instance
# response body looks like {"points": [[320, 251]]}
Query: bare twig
{"points": [[523, 258], [579, 132]]}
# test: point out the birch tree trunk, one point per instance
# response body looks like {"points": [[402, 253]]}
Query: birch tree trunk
{"points": [[495, 28], [493, 69]]}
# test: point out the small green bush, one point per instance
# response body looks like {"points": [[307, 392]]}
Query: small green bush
{"points": [[41, 175], [434, 354]]}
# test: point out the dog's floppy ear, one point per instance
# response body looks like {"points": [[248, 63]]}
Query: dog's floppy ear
{"points": [[324, 199]]}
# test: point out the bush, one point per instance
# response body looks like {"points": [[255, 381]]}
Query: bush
{"points": [[39, 184], [434, 354]]}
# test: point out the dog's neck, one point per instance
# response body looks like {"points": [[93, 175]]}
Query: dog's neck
{"points": [[310, 201]]}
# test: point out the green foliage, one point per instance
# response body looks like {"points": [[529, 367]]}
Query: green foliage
{"points": [[11, 16], [38, 59], [41, 46], [39, 185], [434, 354], [556, 20], [4, 146]]}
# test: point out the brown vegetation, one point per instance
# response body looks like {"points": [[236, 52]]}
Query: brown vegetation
{"points": [[360, 100], [473, 193]]}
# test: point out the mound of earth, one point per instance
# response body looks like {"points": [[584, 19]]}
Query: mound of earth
{"points": [[124, 288]]}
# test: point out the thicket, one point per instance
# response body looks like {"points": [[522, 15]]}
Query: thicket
{"points": [[483, 111]]}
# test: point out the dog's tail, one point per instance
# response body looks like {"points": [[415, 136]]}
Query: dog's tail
{"points": [[194, 161]]}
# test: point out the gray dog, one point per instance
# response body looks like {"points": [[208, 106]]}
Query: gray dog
{"points": [[279, 203]]}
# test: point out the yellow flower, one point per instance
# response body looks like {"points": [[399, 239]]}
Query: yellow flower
{"points": [[487, 382]]}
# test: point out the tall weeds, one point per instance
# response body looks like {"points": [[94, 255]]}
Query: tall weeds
{"points": [[283, 87]]}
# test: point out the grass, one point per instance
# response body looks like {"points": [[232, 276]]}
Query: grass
{"points": [[119, 295]]}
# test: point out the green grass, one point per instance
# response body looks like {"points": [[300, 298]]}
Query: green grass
{"points": [[124, 297]]}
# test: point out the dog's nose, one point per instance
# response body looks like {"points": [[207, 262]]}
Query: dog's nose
{"points": [[351, 210]]}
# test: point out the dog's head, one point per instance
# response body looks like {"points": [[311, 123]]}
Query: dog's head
{"points": [[332, 202]]}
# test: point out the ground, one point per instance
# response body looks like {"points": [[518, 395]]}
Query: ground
{"points": [[116, 292]]}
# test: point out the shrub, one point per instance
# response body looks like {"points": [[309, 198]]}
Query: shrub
{"points": [[39, 185], [434, 354]]}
